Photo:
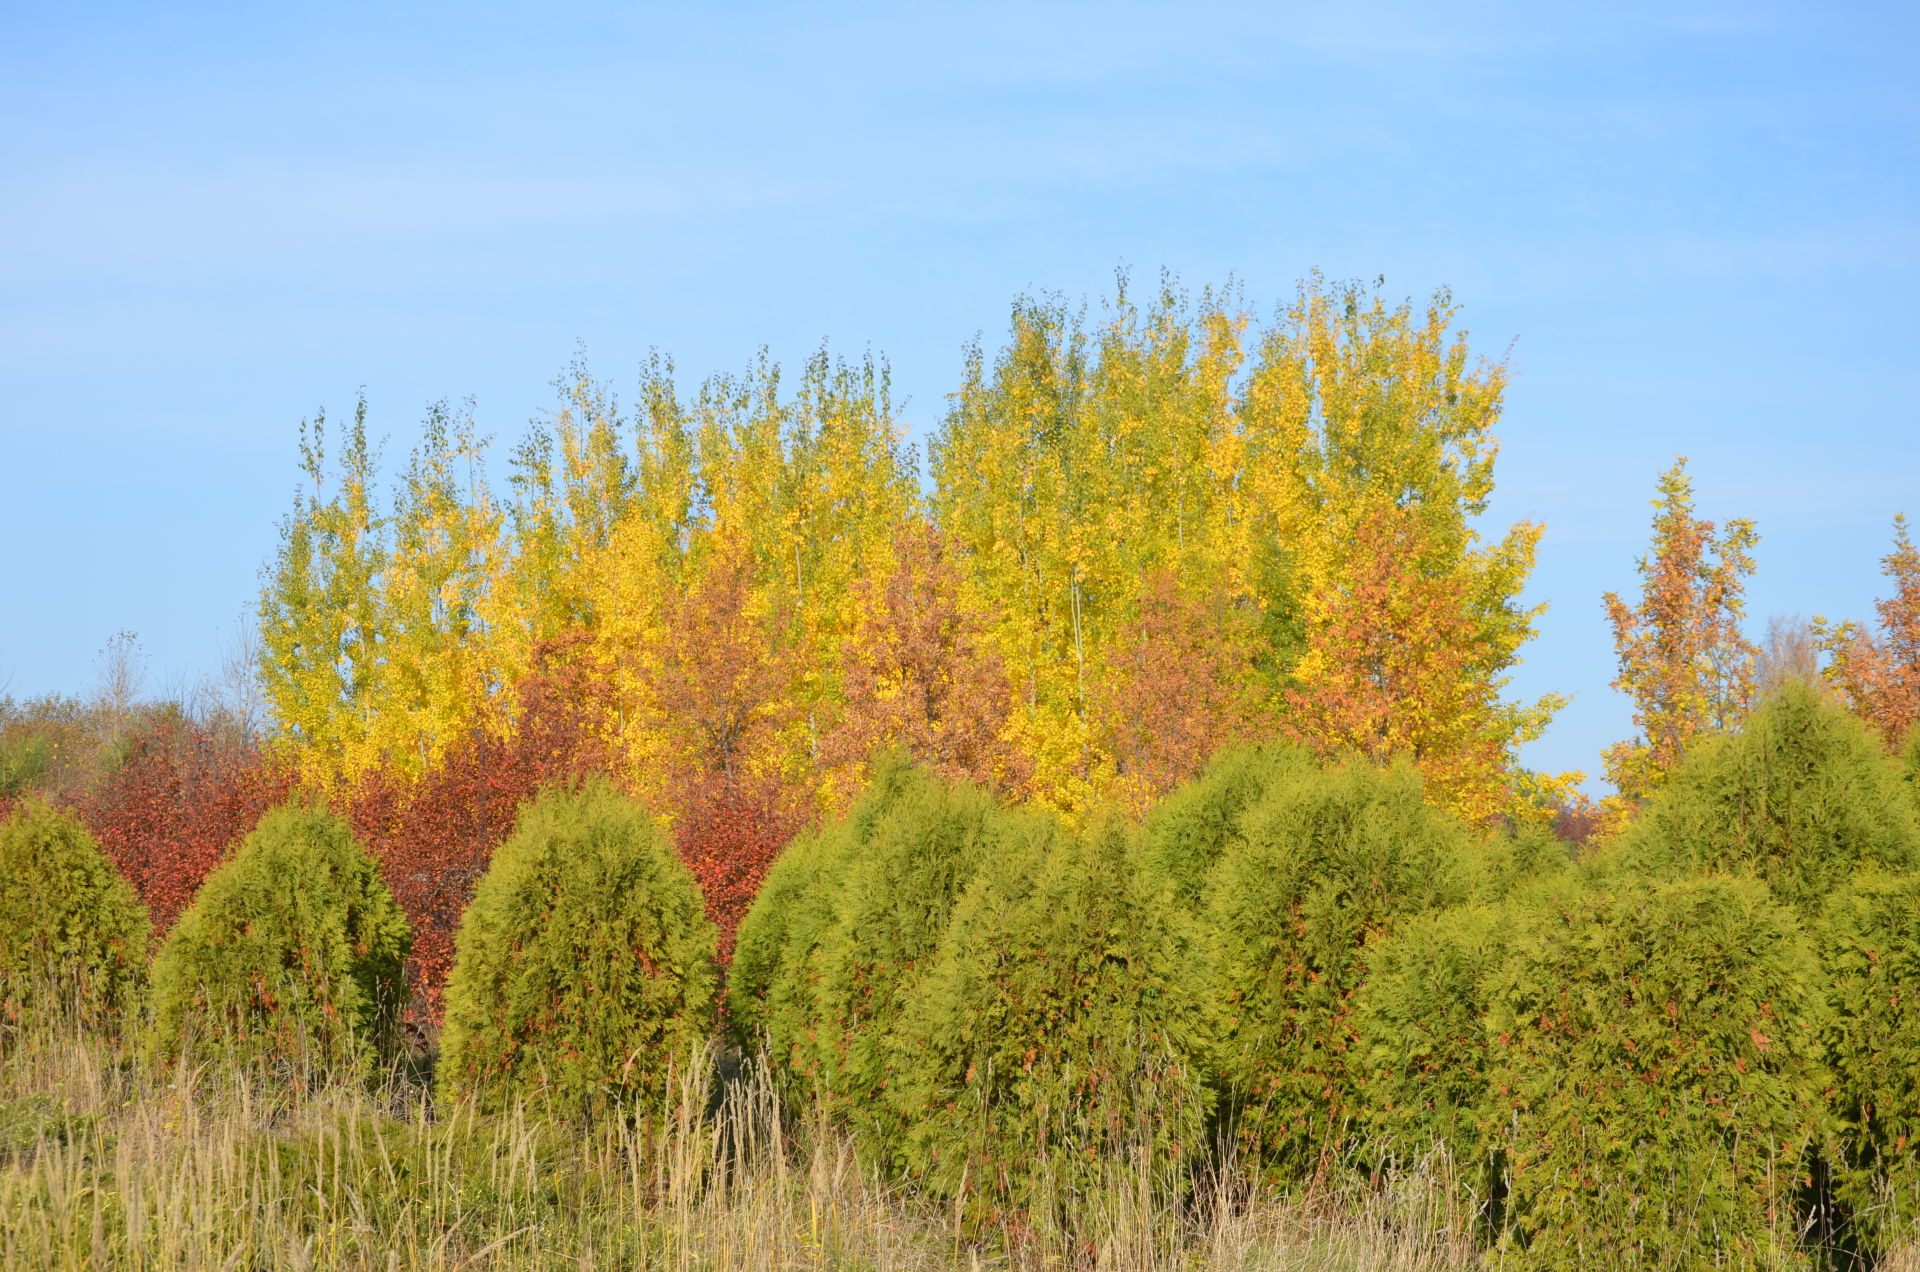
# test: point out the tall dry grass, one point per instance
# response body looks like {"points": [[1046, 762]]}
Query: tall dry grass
{"points": [[107, 1164]]}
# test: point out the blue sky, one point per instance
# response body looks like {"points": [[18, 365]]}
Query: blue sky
{"points": [[1695, 225]]}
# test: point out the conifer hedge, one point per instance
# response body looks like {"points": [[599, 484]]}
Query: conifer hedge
{"points": [[896, 897], [1187, 832], [1060, 1041], [1802, 795], [1910, 764], [1515, 860], [1656, 1066], [1869, 938], [292, 953], [793, 909], [1322, 862], [1422, 1047], [73, 935], [584, 970]]}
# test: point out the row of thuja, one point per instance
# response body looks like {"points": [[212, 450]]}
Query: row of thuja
{"points": [[585, 972], [1697, 1046]]}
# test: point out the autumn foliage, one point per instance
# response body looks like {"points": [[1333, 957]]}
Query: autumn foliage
{"points": [[1683, 659], [435, 834], [728, 834], [184, 795], [1880, 672]]}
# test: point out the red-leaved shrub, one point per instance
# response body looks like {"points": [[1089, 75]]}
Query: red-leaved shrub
{"points": [[729, 831], [182, 797], [435, 834]]}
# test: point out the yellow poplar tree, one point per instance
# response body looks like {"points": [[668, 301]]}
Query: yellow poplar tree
{"points": [[1075, 465], [321, 612], [437, 679], [1362, 419]]}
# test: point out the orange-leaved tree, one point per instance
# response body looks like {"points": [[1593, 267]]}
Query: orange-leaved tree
{"points": [[1178, 687], [920, 671], [1880, 674], [1683, 658], [1394, 667]]}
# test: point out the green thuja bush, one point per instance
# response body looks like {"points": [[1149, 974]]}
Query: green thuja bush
{"points": [[1324, 860], [1422, 1050], [73, 936], [584, 971], [1059, 1042], [292, 953], [1910, 763], [1869, 937], [791, 912], [1514, 860], [1802, 796], [897, 895], [1187, 832], [1657, 1076]]}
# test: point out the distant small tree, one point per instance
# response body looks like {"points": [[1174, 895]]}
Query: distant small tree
{"points": [[1683, 660], [1880, 674], [1791, 651]]}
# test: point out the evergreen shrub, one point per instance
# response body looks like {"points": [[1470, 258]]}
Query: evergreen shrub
{"points": [[73, 934], [1869, 938], [1910, 764], [583, 976], [1060, 1040], [1657, 1074], [1187, 832], [793, 909], [1325, 860], [1516, 859], [291, 953], [1802, 795], [896, 898], [1422, 1045]]}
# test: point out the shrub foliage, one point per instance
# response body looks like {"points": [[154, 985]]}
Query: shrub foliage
{"points": [[1061, 1039], [293, 951], [769, 983], [1802, 796], [68, 923], [1325, 860], [894, 902], [1187, 832], [1870, 944], [1656, 1064], [181, 799], [584, 970]]}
